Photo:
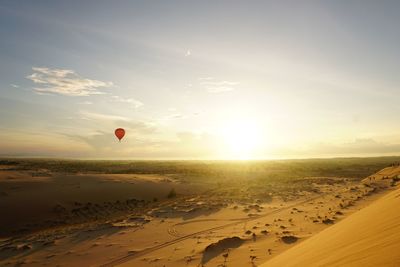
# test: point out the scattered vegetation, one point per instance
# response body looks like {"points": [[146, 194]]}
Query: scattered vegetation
{"points": [[171, 193], [192, 170]]}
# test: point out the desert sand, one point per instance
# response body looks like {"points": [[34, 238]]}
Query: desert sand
{"points": [[369, 237], [55, 218]]}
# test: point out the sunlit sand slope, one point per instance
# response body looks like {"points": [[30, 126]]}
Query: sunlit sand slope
{"points": [[392, 172], [370, 237]]}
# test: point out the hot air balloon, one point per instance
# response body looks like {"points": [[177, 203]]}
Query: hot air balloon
{"points": [[119, 133]]}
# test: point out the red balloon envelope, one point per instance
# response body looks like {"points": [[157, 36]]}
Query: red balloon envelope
{"points": [[119, 133]]}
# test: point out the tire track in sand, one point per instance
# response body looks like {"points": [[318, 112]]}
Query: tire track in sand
{"points": [[145, 251]]}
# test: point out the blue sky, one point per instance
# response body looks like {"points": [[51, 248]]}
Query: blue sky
{"points": [[199, 79]]}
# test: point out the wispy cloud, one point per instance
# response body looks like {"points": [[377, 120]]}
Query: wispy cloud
{"points": [[14, 85], [99, 116], [86, 103], [108, 120], [64, 82], [175, 116], [356, 148], [135, 103], [215, 86]]}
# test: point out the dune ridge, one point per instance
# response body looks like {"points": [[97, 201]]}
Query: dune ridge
{"points": [[369, 237]]}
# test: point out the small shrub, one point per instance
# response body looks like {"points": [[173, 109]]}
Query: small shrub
{"points": [[171, 193]]}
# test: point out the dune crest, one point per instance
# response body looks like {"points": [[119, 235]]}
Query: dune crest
{"points": [[369, 237]]}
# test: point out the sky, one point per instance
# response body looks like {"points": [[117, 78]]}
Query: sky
{"points": [[199, 79]]}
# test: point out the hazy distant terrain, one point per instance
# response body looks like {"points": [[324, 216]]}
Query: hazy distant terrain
{"points": [[353, 167]]}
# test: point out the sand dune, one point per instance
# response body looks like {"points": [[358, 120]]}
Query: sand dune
{"points": [[370, 237], [389, 174], [32, 200]]}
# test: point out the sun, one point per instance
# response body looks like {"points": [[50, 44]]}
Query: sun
{"points": [[241, 137]]}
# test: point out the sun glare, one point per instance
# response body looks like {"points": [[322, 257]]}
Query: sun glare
{"points": [[241, 138]]}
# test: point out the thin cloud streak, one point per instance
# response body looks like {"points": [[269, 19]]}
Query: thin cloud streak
{"points": [[64, 82], [214, 86], [135, 103], [98, 116]]}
